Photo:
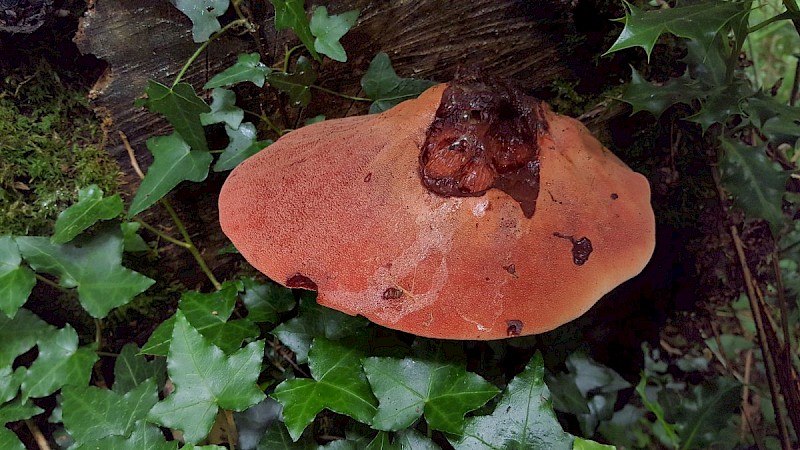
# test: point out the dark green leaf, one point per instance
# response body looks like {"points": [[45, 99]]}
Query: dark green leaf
{"points": [[756, 182], [406, 388], [131, 241], [92, 413], [91, 208], [203, 14], [248, 67], [16, 281], [523, 419], [719, 107], [223, 109], [315, 320], [654, 407], [144, 436], [18, 335], [292, 14], [182, 108], [411, 439], [173, 162], [60, 363], [338, 384], [252, 423], [385, 88], [10, 381], [132, 369], [298, 84], [18, 410], [158, 344], [277, 438], [624, 428], [703, 416], [205, 380], [242, 145], [93, 264], [9, 440], [265, 301], [329, 29], [645, 96]]}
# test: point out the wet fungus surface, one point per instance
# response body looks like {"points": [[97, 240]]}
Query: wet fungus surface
{"points": [[428, 217]]}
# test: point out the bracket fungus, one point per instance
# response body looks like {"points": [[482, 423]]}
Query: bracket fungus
{"points": [[471, 212]]}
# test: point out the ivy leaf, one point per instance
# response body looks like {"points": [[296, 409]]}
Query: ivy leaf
{"points": [[60, 363], [19, 334], [144, 436], [277, 438], [265, 301], [10, 381], [91, 207], [408, 387], [93, 264], [91, 413], [16, 281], [132, 369], [645, 96], [203, 14], [756, 182], [182, 108], [703, 415], [223, 109], [385, 88], [338, 384], [173, 162], [9, 439], [329, 29], [523, 418], [693, 21], [585, 444], [314, 320], [248, 67], [298, 84], [131, 241], [242, 145], [292, 14], [206, 379], [16, 411]]}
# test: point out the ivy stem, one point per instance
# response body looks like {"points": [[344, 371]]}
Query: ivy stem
{"points": [[286, 56], [338, 94], [230, 429], [98, 333], [187, 239], [163, 235], [38, 437], [52, 284], [204, 45]]}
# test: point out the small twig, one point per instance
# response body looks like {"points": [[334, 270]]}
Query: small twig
{"points": [[187, 238], [163, 235], [279, 350], [230, 429], [339, 94], [41, 442], [131, 155], [748, 363], [795, 84]]}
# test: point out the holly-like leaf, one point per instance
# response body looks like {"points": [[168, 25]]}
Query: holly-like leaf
{"points": [[223, 109], [329, 29], [132, 369], [242, 145], [91, 208], [16, 281], [203, 14], [338, 384], [205, 380], [173, 162], [182, 108], [692, 21], [756, 182], [315, 320], [645, 96], [408, 387], [144, 436], [523, 418], [19, 334], [248, 67], [297, 84], [92, 264], [385, 88], [292, 14], [91, 413], [60, 363], [265, 301], [719, 107]]}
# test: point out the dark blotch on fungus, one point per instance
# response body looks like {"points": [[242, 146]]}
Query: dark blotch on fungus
{"points": [[514, 328], [484, 135], [581, 248], [300, 281]]}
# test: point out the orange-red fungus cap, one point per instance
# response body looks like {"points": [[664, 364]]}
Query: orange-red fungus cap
{"points": [[472, 212]]}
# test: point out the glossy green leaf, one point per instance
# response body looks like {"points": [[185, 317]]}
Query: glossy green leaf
{"points": [[223, 109], [292, 14], [144, 436], [252, 423], [408, 387], [248, 67], [265, 301], [329, 29], [90, 208], [16, 281], [702, 22], [523, 418], [203, 14], [296, 85], [158, 343], [60, 363], [91, 413], [132, 369], [182, 108], [315, 320], [585, 444], [385, 88], [338, 384], [756, 182], [242, 145], [17, 410], [205, 380], [92, 264], [173, 162], [645, 96], [9, 440], [131, 241], [277, 438], [719, 107], [10, 381], [18, 335]]}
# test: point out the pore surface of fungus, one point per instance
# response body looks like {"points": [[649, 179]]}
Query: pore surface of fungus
{"points": [[471, 212]]}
